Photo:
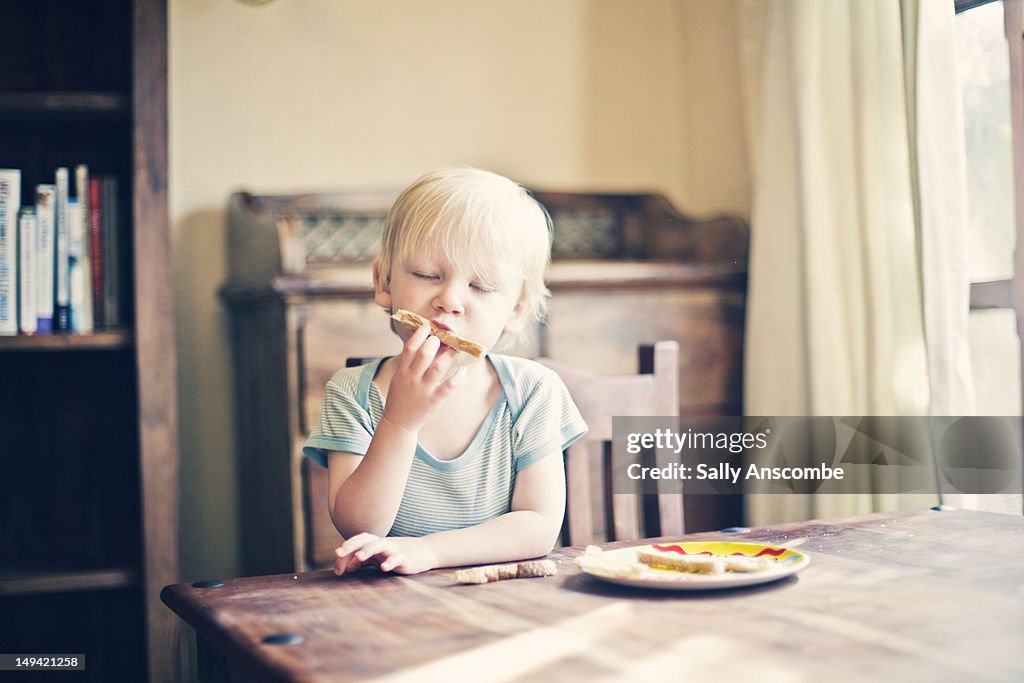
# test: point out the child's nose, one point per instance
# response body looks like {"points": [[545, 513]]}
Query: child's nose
{"points": [[449, 299]]}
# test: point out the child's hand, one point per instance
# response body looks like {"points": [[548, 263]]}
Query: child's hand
{"points": [[400, 555], [421, 381]]}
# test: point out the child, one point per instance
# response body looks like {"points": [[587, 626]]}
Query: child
{"points": [[435, 458]]}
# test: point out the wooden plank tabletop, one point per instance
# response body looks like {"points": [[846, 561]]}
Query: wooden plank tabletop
{"points": [[923, 596]]}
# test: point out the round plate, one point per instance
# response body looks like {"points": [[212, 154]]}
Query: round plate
{"points": [[619, 566]]}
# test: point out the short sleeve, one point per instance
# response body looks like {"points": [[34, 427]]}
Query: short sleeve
{"points": [[548, 423], [345, 425]]}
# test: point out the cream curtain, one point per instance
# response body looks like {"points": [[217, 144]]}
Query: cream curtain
{"points": [[857, 291]]}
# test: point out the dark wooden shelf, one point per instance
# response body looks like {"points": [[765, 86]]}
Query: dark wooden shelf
{"points": [[24, 581], [107, 339], [33, 105], [93, 525]]}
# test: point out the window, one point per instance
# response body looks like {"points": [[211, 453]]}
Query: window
{"points": [[989, 47], [990, 57]]}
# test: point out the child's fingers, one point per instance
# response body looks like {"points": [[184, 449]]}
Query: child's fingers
{"points": [[392, 562], [424, 356], [413, 344], [381, 546], [345, 559], [354, 543], [346, 564]]}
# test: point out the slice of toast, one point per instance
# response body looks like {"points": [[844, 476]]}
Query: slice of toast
{"points": [[415, 321], [694, 564], [705, 564]]}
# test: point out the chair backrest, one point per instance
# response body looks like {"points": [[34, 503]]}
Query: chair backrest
{"points": [[593, 512]]}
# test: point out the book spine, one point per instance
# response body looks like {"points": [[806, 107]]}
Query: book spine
{"points": [[96, 251], [85, 318], [28, 252], [62, 289], [45, 218], [10, 201], [76, 283], [111, 253]]}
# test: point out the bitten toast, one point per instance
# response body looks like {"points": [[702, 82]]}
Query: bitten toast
{"points": [[415, 321]]}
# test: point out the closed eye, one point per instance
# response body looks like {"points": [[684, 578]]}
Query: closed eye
{"points": [[424, 276], [482, 288]]}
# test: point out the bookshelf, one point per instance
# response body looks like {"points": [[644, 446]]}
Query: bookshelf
{"points": [[88, 424]]}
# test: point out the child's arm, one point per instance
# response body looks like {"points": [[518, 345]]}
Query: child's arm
{"points": [[529, 530], [365, 492]]}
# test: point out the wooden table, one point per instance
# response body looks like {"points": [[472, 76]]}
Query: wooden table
{"points": [[921, 596]]}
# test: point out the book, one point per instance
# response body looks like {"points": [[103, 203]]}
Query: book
{"points": [[96, 252], [28, 250], [45, 219], [62, 289], [10, 202], [76, 275], [84, 321], [111, 253]]}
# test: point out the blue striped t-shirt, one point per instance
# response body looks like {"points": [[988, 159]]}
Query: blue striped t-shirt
{"points": [[532, 418]]}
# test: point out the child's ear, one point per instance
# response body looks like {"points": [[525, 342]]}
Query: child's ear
{"points": [[517, 320], [381, 289]]}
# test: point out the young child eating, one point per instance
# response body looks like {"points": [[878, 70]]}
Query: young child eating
{"points": [[436, 458]]}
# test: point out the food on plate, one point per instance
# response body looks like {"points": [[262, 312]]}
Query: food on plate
{"points": [[415, 321], [693, 564], [643, 560], [617, 565], [746, 564], [704, 564], [512, 570], [696, 565]]}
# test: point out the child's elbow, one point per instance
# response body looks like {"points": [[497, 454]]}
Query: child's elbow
{"points": [[549, 536], [547, 547], [353, 527]]}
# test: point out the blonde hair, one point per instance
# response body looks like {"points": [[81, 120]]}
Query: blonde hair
{"points": [[480, 220]]}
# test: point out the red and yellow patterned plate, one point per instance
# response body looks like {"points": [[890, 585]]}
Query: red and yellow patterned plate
{"points": [[620, 566]]}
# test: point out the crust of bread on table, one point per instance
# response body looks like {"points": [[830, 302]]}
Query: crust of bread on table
{"points": [[415, 321], [512, 570]]}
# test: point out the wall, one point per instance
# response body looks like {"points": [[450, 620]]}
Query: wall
{"points": [[307, 95]]}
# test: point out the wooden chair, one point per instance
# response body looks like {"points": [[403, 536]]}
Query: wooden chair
{"points": [[591, 504]]}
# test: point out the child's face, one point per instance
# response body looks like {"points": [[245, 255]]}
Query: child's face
{"points": [[452, 297]]}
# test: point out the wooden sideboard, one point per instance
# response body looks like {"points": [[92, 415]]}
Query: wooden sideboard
{"points": [[627, 269]]}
